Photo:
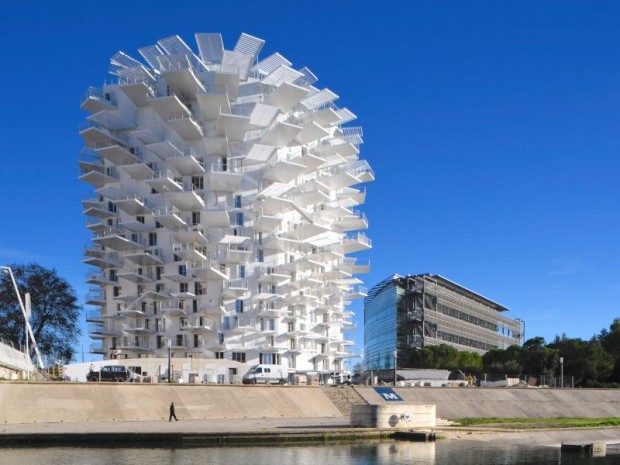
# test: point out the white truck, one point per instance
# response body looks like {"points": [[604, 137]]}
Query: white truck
{"points": [[268, 374]]}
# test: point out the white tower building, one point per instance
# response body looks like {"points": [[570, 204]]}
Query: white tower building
{"points": [[225, 201]]}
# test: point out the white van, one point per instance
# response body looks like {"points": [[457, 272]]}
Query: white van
{"points": [[268, 374]]}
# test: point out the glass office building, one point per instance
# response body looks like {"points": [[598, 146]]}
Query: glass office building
{"points": [[402, 314]]}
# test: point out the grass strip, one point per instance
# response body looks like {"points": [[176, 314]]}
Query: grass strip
{"points": [[532, 423]]}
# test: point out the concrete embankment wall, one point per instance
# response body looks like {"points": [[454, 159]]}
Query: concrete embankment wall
{"points": [[455, 403], [92, 402]]}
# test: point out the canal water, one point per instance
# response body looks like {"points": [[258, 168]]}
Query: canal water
{"points": [[384, 453]]}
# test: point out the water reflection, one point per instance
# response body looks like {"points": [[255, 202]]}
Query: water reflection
{"points": [[385, 453]]}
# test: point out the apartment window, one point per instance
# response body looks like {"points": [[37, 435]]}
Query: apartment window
{"points": [[260, 256], [183, 270], [113, 276], [183, 287], [179, 340], [239, 218], [194, 306], [237, 201], [152, 239], [158, 327], [159, 271], [196, 340], [272, 325], [140, 219], [177, 258], [238, 306], [292, 361], [160, 342], [198, 183], [220, 339], [195, 217], [291, 326], [116, 291], [238, 357], [219, 355], [159, 287], [241, 272]]}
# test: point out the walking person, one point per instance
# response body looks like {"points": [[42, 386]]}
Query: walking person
{"points": [[172, 414]]}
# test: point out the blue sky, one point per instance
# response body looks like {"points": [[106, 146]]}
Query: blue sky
{"points": [[492, 128]]}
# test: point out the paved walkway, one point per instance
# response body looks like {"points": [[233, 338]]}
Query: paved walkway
{"points": [[271, 430]]}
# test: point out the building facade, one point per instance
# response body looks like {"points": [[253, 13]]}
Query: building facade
{"points": [[225, 201], [402, 314]]}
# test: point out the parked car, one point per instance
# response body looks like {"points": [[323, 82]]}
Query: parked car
{"points": [[116, 373], [268, 374]]}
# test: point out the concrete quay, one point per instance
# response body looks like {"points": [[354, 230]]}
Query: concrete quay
{"points": [[133, 415]]}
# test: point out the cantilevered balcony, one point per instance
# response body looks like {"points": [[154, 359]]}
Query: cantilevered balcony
{"points": [[102, 329], [197, 325], [232, 124], [356, 292], [280, 134], [311, 132], [97, 256], [346, 175], [305, 229], [212, 104], [95, 136], [192, 234], [136, 275], [151, 256], [273, 275], [266, 223], [111, 239], [281, 169], [179, 75], [286, 96], [95, 296], [166, 180], [133, 204], [211, 306], [99, 278], [352, 221], [358, 265], [208, 270], [235, 288], [236, 253], [187, 163], [170, 217], [140, 91], [216, 216], [98, 209], [97, 174], [94, 316], [223, 177], [237, 325], [174, 307], [310, 193], [191, 251], [97, 348], [185, 200], [135, 344], [118, 154], [137, 327], [356, 242], [95, 100]]}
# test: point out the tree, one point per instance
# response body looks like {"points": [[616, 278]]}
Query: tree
{"points": [[538, 359], [584, 360], [610, 340], [55, 312], [507, 361]]}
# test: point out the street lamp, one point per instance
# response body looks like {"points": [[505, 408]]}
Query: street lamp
{"points": [[395, 363], [562, 372], [169, 361], [6, 270]]}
